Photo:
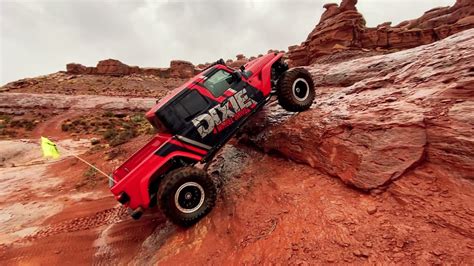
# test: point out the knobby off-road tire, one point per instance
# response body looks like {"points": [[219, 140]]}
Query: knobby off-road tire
{"points": [[295, 90], [186, 195]]}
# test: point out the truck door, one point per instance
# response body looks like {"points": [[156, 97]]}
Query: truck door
{"points": [[234, 100]]}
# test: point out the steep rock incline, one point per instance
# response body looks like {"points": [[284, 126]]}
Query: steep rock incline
{"points": [[376, 118], [343, 27]]}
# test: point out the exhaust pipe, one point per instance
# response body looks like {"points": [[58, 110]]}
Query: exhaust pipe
{"points": [[137, 213]]}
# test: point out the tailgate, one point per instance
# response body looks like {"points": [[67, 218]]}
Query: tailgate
{"points": [[138, 157]]}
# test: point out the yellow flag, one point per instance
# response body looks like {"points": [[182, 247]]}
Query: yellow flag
{"points": [[49, 148]]}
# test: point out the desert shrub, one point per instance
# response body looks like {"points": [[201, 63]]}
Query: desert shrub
{"points": [[23, 123], [90, 173], [65, 127], [5, 118], [122, 137], [115, 128], [90, 179], [29, 125], [138, 119], [108, 114], [109, 134]]}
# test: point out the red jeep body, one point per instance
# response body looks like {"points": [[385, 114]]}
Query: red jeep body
{"points": [[194, 121]]}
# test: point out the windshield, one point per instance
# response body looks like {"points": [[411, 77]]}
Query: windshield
{"points": [[219, 82]]}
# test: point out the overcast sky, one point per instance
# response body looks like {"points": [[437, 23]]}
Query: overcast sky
{"points": [[41, 36]]}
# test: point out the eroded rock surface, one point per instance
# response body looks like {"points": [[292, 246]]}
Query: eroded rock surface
{"points": [[343, 27], [376, 118]]}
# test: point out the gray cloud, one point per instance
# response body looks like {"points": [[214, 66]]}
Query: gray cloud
{"points": [[40, 37]]}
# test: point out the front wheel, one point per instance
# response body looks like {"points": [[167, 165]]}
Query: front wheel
{"points": [[295, 90], [186, 195]]}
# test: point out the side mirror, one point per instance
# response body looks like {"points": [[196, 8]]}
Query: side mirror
{"points": [[236, 76]]}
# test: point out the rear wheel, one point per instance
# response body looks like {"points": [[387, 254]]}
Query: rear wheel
{"points": [[295, 90], [186, 195]]}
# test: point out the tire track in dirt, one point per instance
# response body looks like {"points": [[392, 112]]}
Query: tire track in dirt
{"points": [[105, 217]]}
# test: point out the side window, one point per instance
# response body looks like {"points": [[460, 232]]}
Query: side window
{"points": [[219, 82], [191, 105]]}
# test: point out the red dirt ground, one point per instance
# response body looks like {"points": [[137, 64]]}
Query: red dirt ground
{"points": [[271, 211]]}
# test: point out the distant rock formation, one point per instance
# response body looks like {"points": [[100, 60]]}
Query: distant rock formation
{"points": [[177, 69], [112, 67], [342, 27]]}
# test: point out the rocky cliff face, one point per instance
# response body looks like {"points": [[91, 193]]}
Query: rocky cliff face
{"points": [[342, 27], [376, 118]]}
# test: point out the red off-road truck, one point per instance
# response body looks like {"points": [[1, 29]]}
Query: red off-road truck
{"points": [[193, 122]]}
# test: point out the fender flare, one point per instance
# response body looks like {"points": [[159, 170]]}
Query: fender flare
{"points": [[267, 72], [145, 182]]}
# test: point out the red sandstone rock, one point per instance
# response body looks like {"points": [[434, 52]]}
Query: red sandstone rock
{"points": [[344, 26], [112, 67], [376, 118], [181, 69], [74, 68], [331, 10], [347, 5]]}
